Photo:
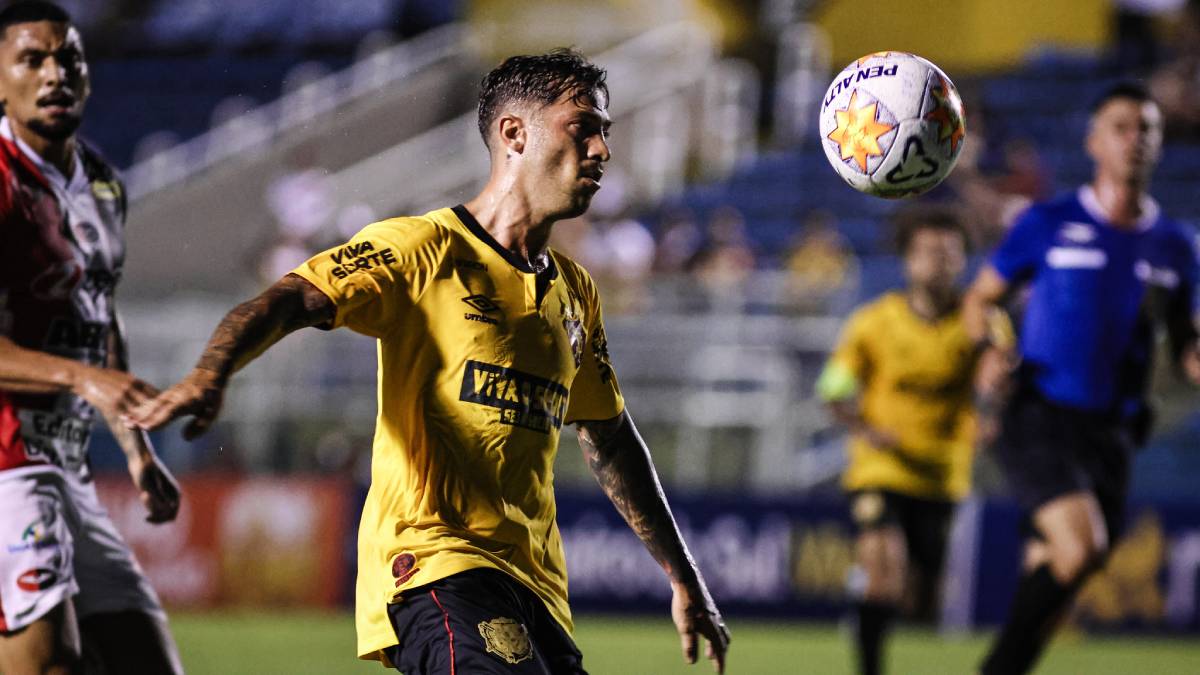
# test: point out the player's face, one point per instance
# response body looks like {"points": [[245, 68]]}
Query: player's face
{"points": [[935, 259], [565, 155], [1125, 138], [43, 78]]}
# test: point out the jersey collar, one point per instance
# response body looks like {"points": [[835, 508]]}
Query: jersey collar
{"points": [[1091, 204], [468, 220], [52, 174]]}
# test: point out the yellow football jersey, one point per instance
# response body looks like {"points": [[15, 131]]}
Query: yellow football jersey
{"points": [[481, 362], [914, 381]]}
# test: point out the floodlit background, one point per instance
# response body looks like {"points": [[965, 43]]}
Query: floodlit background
{"points": [[253, 134]]}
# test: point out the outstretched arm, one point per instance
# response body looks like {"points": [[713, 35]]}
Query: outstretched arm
{"points": [[618, 457], [247, 331], [1181, 329], [987, 325], [36, 372]]}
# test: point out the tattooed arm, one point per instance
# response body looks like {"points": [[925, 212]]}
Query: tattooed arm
{"points": [[618, 457], [246, 331]]}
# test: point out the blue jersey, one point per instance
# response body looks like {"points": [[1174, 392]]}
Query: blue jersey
{"points": [[1095, 294]]}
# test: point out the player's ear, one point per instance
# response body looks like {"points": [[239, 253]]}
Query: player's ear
{"points": [[512, 133]]}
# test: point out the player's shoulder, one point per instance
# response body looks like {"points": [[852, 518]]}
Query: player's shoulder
{"points": [[1053, 211], [568, 267], [574, 274], [878, 311], [414, 231], [1175, 230], [95, 165]]}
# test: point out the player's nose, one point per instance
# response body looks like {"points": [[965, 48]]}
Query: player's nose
{"points": [[599, 150]]}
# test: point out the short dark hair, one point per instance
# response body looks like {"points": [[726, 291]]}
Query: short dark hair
{"points": [[1128, 89], [30, 11], [913, 219], [540, 79]]}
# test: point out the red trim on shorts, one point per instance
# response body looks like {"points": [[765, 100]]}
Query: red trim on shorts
{"points": [[3, 621], [449, 631], [12, 446]]}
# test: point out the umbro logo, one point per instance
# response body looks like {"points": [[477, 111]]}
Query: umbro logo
{"points": [[482, 303]]}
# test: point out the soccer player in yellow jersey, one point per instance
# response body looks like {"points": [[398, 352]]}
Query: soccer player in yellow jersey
{"points": [[900, 379], [488, 343]]}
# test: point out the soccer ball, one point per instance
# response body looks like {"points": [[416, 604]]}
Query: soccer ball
{"points": [[892, 124]]}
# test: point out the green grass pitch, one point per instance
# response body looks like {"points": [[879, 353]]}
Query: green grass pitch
{"points": [[323, 644]]}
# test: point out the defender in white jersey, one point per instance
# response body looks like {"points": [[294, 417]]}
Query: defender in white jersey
{"points": [[70, 590]]}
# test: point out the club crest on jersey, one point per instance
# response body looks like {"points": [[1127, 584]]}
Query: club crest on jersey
{"points": [[507, 639], [1077, 233], [106, 190], [404, 567], [574, 328]]}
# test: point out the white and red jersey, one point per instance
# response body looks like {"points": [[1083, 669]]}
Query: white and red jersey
{"points": [[61, 251]]}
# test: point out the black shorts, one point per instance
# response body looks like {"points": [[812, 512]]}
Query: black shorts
{"points": [[925, 523], [481, 621], [1048, 450]]}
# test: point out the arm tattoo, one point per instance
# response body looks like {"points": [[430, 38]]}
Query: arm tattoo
{"points": [[253, 326], [619, 459]]}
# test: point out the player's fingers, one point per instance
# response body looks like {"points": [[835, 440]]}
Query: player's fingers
{"points": [[162, 409], [687, 640], [199, 424], [716, 656], [153, 508]]}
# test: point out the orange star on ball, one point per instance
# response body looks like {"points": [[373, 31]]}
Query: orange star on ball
{"points": [[947, 112], [857, 133]]}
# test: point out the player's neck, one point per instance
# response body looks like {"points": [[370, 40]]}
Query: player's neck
{"points": [[512, 223], [931, 304], [1120, 199], [58, 154]]}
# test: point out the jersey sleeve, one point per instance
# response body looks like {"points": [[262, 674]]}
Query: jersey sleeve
{"points": [[1182, 310], [595, 394], [1022, 251], [848, 364], [377, 276]]}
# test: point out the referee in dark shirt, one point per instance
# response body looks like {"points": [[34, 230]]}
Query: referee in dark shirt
{"points": [[1104, 269]]}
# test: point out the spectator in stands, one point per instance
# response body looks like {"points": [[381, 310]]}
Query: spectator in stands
{"points": [[302, 202], [1175, 82], [726, 260], [679, 240], [819, 262], [1024, 174]]}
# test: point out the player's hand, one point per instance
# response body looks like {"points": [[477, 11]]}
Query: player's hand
{"points": [[881, 439], [1190, 362], [112, 392], [696, 616], [157, 488], [994, 374], [199, 395]]}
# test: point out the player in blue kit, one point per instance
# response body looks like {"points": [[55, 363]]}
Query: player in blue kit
{"points": [[1104, 269]]}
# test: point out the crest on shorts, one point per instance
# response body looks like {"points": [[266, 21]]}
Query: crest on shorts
{"points": [[507, 639], [867, 508], [404, 567]]}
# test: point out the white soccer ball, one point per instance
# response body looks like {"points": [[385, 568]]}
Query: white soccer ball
{"points": [[892, 124]]}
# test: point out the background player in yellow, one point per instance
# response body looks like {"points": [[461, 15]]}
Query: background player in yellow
{"points": [[900, 380], [488, 343]]}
